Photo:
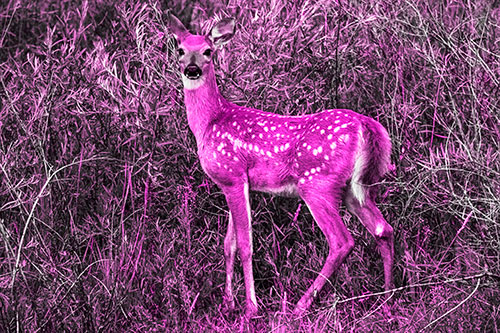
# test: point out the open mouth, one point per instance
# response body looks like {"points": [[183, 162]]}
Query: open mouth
{"points": [[192, 72]]}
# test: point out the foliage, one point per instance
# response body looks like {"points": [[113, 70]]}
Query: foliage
{"points": [[108, 222]]}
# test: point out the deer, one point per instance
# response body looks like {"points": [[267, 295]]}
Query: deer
{"points": [[324, 158]]}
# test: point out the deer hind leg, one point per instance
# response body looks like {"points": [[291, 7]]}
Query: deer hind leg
{"points": [[229, 254], [237, 198], [371, 217], [324, 209]]}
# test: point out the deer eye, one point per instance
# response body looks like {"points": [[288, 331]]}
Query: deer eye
{"points": [[208, 52], [180, 52]]}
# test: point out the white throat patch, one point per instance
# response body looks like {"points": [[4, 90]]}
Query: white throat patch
{"points": [[192, 84]]}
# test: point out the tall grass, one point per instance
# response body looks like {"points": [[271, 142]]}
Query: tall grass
{"points": [[108, 222]]}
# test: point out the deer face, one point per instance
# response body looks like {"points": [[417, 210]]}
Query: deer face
{"points": [[195, 51], [195, 57]]}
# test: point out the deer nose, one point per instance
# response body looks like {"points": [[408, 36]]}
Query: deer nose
{"points": [[192, 72]]}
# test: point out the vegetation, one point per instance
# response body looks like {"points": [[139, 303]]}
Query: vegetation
{"points": [[108, 223]]}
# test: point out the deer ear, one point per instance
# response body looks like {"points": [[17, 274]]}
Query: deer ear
{"points": [[222, 32], [177, 28]]}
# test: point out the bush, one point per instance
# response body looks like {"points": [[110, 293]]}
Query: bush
{"points": [[109, 223]]}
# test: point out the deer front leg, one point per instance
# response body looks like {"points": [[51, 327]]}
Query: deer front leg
{"points": [[239, 205], [229, 253]]}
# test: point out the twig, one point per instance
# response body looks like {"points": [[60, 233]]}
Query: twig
{"points": [[453, 240], [472, 277], [32, 211], [454, 308]]}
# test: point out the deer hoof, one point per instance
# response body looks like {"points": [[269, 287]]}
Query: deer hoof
{"points": [[251, 310]]}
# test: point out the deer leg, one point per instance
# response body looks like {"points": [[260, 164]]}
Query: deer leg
{"points": [[372, 219], [229, 254], [239, 205], [339, 240]]}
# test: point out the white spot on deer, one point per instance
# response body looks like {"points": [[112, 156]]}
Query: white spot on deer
{"points": [[276, 149], [236, 159], [256, 149], [299, 154], [336, 121], [333, 145], [269, 154], [302, 180], [322, 132], [320, 149], [329, 127], [336, 129], [326, 157], [266, 129], [313, 171], [315, 152], [260, 135], [309, 147], [343, 125], [330, 136], [306, 173], [273, 128], [287, 145]]}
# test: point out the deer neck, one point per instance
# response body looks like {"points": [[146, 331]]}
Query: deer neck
{"points": [[203, 104]]}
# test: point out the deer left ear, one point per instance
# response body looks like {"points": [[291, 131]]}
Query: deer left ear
{"points": [[177, 28], [222, 32]]}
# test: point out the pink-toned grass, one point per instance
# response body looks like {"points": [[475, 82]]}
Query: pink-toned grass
{"points": [[108, 223]]}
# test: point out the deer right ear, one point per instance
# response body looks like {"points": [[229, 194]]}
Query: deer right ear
{"points": [[177, 28], [222, 32]]}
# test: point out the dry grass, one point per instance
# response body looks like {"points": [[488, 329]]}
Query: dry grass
{"points": [[108, 223]]}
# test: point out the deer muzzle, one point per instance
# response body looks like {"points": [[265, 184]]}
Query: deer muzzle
{"points": [[192, 72]]}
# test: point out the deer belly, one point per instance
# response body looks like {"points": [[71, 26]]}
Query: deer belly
{"points": [[273, 181]]}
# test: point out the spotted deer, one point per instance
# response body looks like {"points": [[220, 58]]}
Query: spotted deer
{"points": [[323, 158]]}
